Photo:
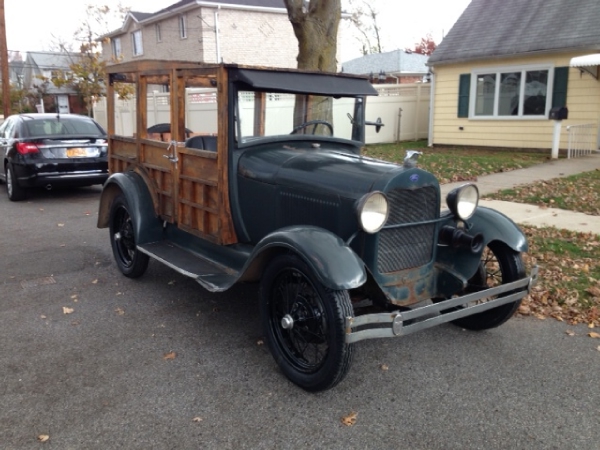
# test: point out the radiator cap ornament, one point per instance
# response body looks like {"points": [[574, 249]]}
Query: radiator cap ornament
{"points": [[411, 158]]}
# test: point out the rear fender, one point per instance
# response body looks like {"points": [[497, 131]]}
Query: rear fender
{"points": [[332, 261], [147, 225]]}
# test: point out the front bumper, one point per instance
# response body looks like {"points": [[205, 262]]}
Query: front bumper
{"points": [[401, 323]]}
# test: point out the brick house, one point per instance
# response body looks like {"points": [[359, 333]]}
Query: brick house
{"points": [[255, 32]]}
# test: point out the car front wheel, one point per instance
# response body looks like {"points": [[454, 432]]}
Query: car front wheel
{"points": [[132, 263], [499, 265], [304, 324]]}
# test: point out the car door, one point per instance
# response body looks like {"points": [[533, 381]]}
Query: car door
{"points": [[5, 143]]}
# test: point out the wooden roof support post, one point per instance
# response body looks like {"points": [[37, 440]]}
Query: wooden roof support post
{"points": [[177, 88], [226, 230], [142, 112]]}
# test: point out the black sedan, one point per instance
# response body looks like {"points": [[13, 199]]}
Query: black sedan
{"points": [[51, 150]]}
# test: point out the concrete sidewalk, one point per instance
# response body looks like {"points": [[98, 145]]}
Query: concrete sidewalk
{"points": [[533, 214]]}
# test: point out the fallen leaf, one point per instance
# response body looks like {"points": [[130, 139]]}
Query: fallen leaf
{"points": [[95, 281], [74, 296], [171, 283], [43, 317], [170, 355], [43, 437], [119, 311], [594, 290], [594, 335], [384, 367], [598, 348], [60, 224], [570, 332], [67, 310], [260, 342], [197, 419], [350, 419]]}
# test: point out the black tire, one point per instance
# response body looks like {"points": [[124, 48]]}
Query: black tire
{"points": [[312, 352], [132, 263], [15, 192], [499, 265]]}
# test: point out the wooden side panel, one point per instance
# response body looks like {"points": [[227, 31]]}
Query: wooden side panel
{"points": [[160, 171], [198, 195], [122, 154]]}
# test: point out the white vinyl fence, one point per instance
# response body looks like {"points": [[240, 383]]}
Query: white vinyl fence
{"points": [[403, 109], [583, 139]]}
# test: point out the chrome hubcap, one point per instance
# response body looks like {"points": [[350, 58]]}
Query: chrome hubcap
{"points": [[287, 322]]}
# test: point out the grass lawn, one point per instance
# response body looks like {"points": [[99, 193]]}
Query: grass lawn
{"points": [[579, 193], [456, 164]]}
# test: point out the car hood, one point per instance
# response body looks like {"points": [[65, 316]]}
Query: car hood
{"points": [[336, 172]]}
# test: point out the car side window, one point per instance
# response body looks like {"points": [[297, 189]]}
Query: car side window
{"points": [[7, 129]]}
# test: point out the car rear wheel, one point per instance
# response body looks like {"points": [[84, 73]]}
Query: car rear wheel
{"points": [[14, 191], [499, 265], [132, 263], [304, 324]]}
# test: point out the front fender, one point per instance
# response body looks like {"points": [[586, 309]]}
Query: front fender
{"points": [[332, 261], [147, 225], [457, 265], [495, 226]]}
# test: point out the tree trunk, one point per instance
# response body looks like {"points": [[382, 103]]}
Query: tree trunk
{"points": [[316, 28]]}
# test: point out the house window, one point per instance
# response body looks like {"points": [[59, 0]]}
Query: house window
{"points": [[519, 92], [116, 47], [158, 34], [138, 48], [182, 27]]}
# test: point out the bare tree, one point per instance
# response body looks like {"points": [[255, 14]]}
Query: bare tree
{"points": [[87, 69], [364, 17], [315, 24]]}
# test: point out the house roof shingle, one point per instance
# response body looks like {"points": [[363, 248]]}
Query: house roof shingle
{"points": [[496, 28], [397, 61]]}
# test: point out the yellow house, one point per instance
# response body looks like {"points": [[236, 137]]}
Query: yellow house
{"points": [[506, 64]]}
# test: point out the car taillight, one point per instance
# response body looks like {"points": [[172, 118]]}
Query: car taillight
{"points": [[25, 148]]}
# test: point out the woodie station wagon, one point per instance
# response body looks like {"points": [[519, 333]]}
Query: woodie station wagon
{"points": [[268, 185]]}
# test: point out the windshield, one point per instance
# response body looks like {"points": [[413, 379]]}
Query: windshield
{"points": [[268, 114]]}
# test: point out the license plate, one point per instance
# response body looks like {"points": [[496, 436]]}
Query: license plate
{"points": [[76, 152]]}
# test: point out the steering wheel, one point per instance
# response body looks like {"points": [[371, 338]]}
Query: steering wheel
{"points": [[315, 123]]}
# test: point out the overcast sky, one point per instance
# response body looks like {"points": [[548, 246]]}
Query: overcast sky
{"points": [[30, 24]]}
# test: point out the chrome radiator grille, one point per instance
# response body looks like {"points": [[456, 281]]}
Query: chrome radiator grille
{"points": [[410, 246]]}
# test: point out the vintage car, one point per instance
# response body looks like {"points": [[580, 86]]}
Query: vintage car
{"points": [[270, 187]]}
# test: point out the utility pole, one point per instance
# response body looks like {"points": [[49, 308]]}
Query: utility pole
{"points": [[4, 62]]}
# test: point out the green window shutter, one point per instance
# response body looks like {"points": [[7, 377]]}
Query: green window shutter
{"points": [[559, 90], [464, 87]]}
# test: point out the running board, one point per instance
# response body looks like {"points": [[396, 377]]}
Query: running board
{"points": [[210, 275]]}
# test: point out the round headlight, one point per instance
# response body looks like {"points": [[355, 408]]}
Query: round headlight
{"points": [[463, 201], [373, 212]]}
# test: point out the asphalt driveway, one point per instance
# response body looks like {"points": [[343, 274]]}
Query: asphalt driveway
{"points": [[94, 360]]}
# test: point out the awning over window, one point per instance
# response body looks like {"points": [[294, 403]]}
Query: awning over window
{"points": [[587, 63]]}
